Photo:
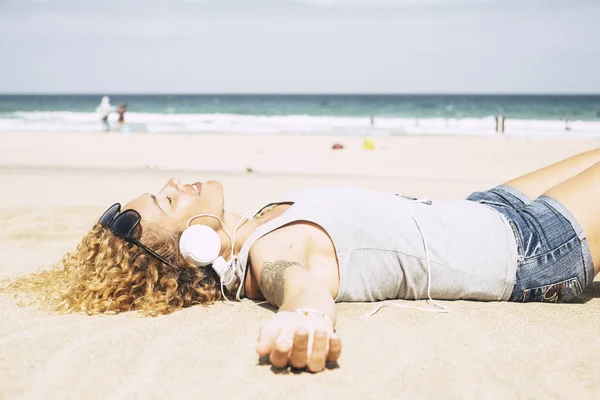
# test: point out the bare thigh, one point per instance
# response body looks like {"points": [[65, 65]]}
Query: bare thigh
{"points": [[537, 182], [581, 196]]}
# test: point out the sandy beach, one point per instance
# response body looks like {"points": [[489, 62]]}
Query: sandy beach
{"points": [[56, 185]]}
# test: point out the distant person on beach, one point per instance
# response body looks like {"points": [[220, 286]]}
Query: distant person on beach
{"points": [[567, 124], [121, 110], [104, 109], [500, 123], [535, 238]]}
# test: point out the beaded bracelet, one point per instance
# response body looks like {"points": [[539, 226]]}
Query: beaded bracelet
{"points": [[310, 312]]}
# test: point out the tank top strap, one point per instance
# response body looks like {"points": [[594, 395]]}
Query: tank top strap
{"points": [[242, 267]]}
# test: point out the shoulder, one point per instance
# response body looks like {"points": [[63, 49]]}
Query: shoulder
{"points": [[290, 243], [274, 248], [287, 242]]}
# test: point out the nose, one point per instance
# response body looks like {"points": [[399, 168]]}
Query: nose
{"points": [[176, 184]]}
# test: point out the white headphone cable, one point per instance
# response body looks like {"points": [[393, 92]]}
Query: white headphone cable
{"points": [[441, 308]]}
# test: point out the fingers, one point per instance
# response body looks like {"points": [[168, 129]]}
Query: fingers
{"points": [[266, 339], [294, 350], [335, 348], [319, 352], [280, 353], [299, 355], [288, 341]]}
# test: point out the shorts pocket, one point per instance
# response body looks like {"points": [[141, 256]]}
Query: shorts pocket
{"points": [[560, 292], [520, 248]]}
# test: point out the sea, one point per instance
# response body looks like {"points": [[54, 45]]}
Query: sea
{"points": [[322, 114]]}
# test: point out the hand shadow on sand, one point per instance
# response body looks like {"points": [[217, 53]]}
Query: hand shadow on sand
{"points": [[329, 365]]}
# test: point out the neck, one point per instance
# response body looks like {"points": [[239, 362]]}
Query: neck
{"points": [[245, 229]]}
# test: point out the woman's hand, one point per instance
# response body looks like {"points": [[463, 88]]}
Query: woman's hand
{"points": [[298, 340]]}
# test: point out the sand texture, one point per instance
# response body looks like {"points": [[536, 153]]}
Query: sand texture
{"points": [[54, 187]]}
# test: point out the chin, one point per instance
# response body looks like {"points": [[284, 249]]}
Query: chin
{"points": [[215, 184]]}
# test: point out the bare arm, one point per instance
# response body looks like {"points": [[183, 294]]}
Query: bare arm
{"points": [[288, 285], [290, 337]]}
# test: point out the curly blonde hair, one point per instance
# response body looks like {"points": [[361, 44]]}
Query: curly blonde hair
{"points": [[105, 273]]}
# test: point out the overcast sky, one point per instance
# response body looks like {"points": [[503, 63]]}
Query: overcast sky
{"points": [[300, 46]]}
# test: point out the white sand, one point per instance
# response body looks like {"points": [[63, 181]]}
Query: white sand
{"points": [[54, 187]]}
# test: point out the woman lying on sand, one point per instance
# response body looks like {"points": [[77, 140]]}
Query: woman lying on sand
{"points": [[317, 247]]}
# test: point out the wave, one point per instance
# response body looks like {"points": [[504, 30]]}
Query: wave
{"points": [[59, 121]]}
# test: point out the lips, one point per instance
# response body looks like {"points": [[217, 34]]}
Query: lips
{"points": [[197, 186]]}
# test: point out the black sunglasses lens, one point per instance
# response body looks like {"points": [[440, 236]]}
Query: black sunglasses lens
{"points": [[125, 223], [110, 214]]}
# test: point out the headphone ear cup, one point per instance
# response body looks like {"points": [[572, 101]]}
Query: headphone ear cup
{"points": [[200, 245]]}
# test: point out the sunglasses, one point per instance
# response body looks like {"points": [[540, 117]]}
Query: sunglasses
{"points": [[123, 224]]}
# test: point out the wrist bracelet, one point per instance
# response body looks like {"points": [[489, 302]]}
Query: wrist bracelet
{"points": [[310, 312]]}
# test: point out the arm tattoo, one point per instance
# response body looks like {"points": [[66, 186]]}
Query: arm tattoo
{"points": [[272, 280]]}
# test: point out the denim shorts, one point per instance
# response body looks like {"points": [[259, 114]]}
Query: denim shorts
{"points": [[554, 262]]}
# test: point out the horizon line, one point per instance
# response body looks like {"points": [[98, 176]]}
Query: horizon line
{"points": [[298, 94]]}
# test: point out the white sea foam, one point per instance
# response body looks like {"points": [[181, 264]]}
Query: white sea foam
{"points": [[301, 124]]}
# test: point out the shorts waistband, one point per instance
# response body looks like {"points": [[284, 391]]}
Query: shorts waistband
{"points": [[516, 193]]}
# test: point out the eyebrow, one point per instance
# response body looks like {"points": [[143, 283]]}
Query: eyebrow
{"points": [[156, 202]]}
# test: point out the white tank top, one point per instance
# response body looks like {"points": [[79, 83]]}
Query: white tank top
{"points": [[380, 251]]}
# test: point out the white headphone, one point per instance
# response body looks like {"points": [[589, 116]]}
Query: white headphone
{"points": [[201, 245]]}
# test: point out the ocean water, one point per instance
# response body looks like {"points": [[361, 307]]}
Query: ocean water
{"points": [[309, 114]]}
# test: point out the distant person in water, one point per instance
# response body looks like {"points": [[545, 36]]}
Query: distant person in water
{"points": [[121, 110], [104, 109]]}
